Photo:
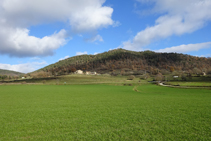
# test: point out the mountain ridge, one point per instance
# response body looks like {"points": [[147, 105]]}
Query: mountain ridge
{"points": [[10, 73], [124, 60]]}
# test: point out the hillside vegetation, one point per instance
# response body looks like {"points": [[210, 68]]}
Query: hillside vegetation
{"points": [[122, 61], [9, 73]]}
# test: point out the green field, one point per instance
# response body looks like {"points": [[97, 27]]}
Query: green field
{"points": [[80, 79], [104, 112], [190, 84]]}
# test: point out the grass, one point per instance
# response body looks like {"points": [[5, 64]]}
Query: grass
{"points": [[89, 79], [104, 112], [82, 79], [191, 84]]}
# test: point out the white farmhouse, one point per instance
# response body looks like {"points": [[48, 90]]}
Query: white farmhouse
{"points": [[79, 72]]}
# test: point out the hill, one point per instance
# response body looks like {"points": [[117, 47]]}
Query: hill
{"points": [[9, 73], [131, 62]]}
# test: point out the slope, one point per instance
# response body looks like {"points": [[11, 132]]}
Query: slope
{"points": [[10, 73], [123, 61]]}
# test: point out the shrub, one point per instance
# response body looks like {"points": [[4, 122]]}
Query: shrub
{"points": [[146, 76], [24, 82], [106, 74], [184, 77], [131, 77], [44, 81]]}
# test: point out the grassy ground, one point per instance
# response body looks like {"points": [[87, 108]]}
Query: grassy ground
{"points": [[191, 84], [189, 79], [81, 79], [104, 112], [92, 79]]}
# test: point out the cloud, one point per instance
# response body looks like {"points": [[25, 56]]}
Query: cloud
{"points": [[17, 42], [186, 48], [95, 39], [81, 53], [177, 18], [64, 58], [207, 55], [17, 16], [116, 24], [96, 53], [35, 58], [24, 68]]}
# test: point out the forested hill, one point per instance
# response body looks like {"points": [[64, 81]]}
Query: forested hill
{"points": [[9, 73], [120, 60]]}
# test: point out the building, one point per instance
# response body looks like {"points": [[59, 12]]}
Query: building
{"points": [[91, 73], [79, 72], [88, 72]]}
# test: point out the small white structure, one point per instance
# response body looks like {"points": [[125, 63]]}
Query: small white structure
{"points": [[204, 73], [175, 76], [79, 72], [23, 77], [90, 73], [93, 73]]}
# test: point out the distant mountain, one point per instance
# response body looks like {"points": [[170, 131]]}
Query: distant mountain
{"points": [[124, 61], [10, 73]]}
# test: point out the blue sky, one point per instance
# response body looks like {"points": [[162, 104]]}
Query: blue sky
{"points": [[34, 34]]}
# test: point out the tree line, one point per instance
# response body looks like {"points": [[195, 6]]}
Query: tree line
{"points": [[123, 62]]}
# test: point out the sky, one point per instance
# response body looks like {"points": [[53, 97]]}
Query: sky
{"points": [[34, 34]]}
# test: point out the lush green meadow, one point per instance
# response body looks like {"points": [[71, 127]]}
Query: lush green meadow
{"points": [[104, 112], [191, 84], [79, 79]]}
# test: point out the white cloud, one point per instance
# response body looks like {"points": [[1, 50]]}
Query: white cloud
{"points": [[64, 58], [96, 53], [116, 24], [24, 68], [17, 42], [17, 16], [186, 48], [207, 55], [95, 39], [81, 53], [178, 18], [35, 58]]}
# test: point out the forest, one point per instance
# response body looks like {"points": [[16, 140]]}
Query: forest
{"points": [[126, 62]]}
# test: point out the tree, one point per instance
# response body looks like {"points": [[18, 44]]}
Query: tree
{"points": [[159, 77], [183, 77], [40, 74], [73, 69], [122, 72], [4, 77], [16, 77], [209, 71], [171, 69], [197, 71]]}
